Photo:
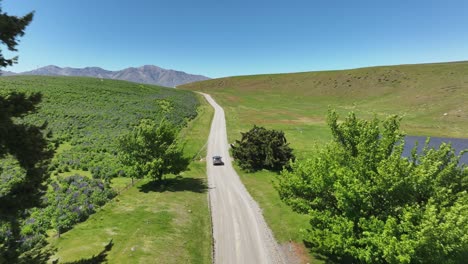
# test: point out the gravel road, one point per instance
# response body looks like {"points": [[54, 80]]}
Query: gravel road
{"points": [[239, 230]]}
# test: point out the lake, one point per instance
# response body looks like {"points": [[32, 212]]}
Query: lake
{"points": [[458, 144]]}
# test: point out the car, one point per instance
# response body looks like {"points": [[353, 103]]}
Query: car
{"points": [[217, 160]]}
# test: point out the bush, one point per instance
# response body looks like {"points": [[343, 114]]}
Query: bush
{"points": [[261, 148], [369, 204], [70, 200]]}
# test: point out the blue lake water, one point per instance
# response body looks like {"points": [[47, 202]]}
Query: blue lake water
{"points": [[458, 144]]}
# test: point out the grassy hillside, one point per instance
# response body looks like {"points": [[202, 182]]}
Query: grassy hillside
{"points": [[146, 222], [86, 115], [431, 98]]}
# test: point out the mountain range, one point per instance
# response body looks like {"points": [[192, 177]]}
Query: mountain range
{"points": [[147, 74]]}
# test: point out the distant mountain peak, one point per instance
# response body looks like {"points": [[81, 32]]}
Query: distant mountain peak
{"points": [[152, 67], [147, 74]]}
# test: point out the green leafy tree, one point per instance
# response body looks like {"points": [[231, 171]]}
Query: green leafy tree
{"points": [[152, 150], [261, 148], [11, 27], [369, 204]]}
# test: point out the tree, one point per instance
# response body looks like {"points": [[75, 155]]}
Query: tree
{"points": [[22, 146], [11, 27], [152, 150], [369, 204], [24, 156], [261, 148]]}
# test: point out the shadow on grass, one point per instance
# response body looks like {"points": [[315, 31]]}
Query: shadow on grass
{"points": [[99, 258], [177, 184]]}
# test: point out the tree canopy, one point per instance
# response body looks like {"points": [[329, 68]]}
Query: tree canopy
{"points": [[11, 27], [261, 148], [24, 157], [151, 150], [28, 146], [369, 204]]}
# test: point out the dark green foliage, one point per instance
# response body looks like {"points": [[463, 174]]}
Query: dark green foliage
{"points": [[24, 157], [261, 148], [369, 204], [11, 27], [27, 145], [70, 200], [152, 150]]}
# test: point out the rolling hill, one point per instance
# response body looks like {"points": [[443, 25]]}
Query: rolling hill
{"points": [[148, 74], [431, 98], [88, 115]]}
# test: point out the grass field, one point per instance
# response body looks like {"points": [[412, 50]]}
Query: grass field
{"points": [[148, 223], [431, 98]]}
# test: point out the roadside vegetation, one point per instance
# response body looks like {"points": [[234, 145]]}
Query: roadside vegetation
{"points": [[148, 221], [368, 204], [430, 98], [260, 148]]}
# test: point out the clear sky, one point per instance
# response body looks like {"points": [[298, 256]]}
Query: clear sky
{"points": [[220, 38]]}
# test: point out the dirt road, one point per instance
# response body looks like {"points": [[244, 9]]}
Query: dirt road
{"points": [[239, 230]]}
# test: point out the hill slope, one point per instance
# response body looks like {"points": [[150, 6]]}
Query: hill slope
{"points": [[431, 98], [147, 74], [145, 222], [87, 115]]}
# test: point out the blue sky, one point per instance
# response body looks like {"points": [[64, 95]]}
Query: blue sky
{"points": [[227, 38]]}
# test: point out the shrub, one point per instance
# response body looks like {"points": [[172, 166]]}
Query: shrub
{"points": [[70, 200], [369, 204], [261, 148]]}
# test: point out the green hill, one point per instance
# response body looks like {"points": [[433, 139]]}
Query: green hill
{"points": [[431, 98], [86, 115], [146, 222]]}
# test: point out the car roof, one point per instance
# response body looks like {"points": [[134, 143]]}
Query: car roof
{"points": [[216, 157]]}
